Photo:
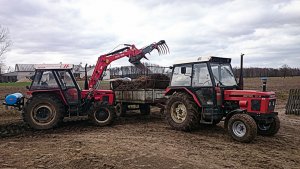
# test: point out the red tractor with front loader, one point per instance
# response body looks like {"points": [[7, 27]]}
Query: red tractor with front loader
{"points": [[55, 94], [206, 92]]}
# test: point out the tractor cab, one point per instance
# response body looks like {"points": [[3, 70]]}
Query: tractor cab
{"points": [[205, 78], [56, 78]]}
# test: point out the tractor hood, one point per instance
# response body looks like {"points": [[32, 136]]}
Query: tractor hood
{"points": [[248, 93]]}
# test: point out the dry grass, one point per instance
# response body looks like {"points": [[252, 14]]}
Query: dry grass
{"points": [[279, 85]]}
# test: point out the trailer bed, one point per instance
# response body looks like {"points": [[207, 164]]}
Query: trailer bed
{"points": [[140, 96]]}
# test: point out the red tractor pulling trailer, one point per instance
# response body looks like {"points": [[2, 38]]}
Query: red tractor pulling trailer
{"points": [[202, 92], [55, 94]]}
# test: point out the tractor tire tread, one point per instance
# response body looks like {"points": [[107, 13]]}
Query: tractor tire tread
{"points": [[192, 122], [50, 97], [251, 127], [97, 106], [274, 128]]}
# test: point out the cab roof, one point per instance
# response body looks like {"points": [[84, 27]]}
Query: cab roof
{"points": [[53, 66], [201, 59]]}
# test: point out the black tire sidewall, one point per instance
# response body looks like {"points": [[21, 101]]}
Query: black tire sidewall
{"points": [[274, 128], [110, 119], [191, 121], [250, 124], [50, 101]]}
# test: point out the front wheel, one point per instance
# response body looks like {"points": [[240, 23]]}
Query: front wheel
{"points": [[102, 115], [242, 127], [269, 129]]}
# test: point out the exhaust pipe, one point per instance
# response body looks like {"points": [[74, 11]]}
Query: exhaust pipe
{"points": [[241, 79], [86, 87]]}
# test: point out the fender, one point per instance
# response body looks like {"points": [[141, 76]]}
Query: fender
{"points": [[56, 92], [230, 114], [170, 91]]}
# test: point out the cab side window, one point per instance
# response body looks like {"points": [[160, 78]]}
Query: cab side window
{"points": [[201, 75], [43, 80], [182, 76]]}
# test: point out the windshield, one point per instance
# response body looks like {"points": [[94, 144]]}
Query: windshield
{"points": [[223, 74]]}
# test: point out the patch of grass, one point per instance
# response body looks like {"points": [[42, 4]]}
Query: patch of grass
{"points": [[16, 84]]}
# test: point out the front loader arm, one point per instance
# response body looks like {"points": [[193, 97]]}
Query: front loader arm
{"points": [[130, 51]]}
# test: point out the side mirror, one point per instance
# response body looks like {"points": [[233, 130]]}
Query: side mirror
{"points": [[183, 70]]}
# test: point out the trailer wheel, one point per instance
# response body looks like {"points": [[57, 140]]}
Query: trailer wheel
{"points": [[43, 111], [102, 115], [121, 109], [145, 109], [242, 127], [181, 112], [269, 129]]}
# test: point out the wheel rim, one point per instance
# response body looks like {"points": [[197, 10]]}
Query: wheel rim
{"points": [[239, 128], [102, 115], [43, 114], [178, 112]]}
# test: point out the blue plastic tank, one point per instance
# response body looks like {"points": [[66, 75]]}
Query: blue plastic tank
{"points": [[12, 99]]}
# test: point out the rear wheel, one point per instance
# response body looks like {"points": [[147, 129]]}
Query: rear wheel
{"points": [[181, 112], [144, 109], [43, 111], [242, 127], [102, 115], [269, 129]]}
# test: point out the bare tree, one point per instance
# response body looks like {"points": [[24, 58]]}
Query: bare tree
{"points": [[5, 43], [285, 70]]}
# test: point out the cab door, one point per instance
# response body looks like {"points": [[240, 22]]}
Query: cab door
{"points": [[203, 85], [69, 86]]}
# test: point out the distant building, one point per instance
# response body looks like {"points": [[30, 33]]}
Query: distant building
{"points": [[21, 72], [25, 71]]}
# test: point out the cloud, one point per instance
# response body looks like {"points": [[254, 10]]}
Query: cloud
{"points": [[77, 31]]}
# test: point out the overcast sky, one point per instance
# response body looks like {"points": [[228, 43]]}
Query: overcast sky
{"points": [[74, 31]]}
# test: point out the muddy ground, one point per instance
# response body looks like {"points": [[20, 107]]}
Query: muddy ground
{"points": [[137, 141]]}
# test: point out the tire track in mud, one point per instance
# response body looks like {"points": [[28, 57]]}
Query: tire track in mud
{"points": [[13, 129], [70, 125]]}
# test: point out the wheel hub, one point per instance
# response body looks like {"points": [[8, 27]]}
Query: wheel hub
{"points": [[178, 112], [43, 114], [239, 128]]}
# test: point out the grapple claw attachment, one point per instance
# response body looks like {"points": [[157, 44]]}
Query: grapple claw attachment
{"points": [[162, 47]]}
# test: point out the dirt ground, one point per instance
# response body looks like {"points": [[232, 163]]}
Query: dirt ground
{"points": [[137, 141]]}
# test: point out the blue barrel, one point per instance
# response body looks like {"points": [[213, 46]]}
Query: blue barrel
{"points": [[12, 99]]}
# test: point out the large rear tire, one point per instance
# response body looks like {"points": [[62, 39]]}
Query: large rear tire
{"points": [[102, 115], [269, 129], [43, 112], [181, 112], [242, 128]]}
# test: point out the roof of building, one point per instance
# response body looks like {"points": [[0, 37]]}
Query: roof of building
{"points": [[10, 74], [24, 67]]}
